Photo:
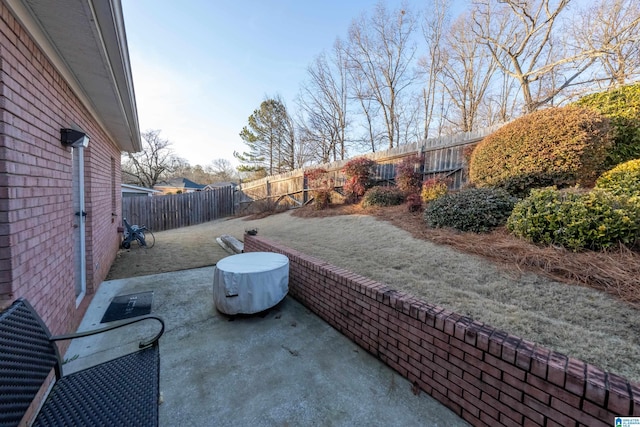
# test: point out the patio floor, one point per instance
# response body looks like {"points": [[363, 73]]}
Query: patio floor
{"points": [[285, 368]]}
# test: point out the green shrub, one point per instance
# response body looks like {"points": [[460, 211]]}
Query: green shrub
{"points": [[471, 209], [622, 106], [595, 220], [383, 196], [538, 217], [408, 175], [358, 172], [624, 179], [560, 146], [434, 188]]}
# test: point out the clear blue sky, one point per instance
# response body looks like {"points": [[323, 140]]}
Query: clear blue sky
{"points": [[201, 67]]}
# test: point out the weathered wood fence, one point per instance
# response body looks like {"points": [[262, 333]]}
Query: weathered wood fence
{"points": [[442, 156], [179, 210]]}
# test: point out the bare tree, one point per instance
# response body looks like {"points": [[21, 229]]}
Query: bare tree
{"points": [[323, 103], [501, 102], [411, 125], [195, 173], [312, 138], [380, 56], [361, 93], [521, 37], [467, 71], [304, 154], [433, 29], [502, 58], [221, 170], [613, 29], [154, 163]]}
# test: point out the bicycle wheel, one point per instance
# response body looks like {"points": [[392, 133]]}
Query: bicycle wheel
{"points": [[149, 239]]}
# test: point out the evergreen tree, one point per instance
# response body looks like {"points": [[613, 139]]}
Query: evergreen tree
{"points": [[270, 139]]}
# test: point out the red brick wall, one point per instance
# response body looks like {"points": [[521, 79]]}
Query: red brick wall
{"points": [[102, 234], [486, 376], [36, 215]]}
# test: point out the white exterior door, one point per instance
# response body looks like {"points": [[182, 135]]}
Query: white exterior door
{"points": [[79, 237]]}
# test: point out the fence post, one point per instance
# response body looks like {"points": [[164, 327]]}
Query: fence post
{"points": [[305, 187], [421, 151], [268, 186]]}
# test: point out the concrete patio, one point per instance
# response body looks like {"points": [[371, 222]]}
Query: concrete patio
{"points": [[283, 368]]}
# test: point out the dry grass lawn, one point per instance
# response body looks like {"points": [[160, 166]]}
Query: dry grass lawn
{"points": [[507, 284]]}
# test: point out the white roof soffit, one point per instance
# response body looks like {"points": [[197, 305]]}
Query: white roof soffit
{"points": [[86, 42]]}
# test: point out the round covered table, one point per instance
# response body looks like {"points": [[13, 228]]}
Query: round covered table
{"points": [[250, 282]]}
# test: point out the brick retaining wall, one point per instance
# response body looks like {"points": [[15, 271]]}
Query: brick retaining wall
{"points": [[484, 375]]}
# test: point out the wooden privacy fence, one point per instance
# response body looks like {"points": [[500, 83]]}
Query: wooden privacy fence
{"points": [[180, 210], [442, 156]]}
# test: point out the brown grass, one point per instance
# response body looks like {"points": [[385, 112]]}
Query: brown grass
{"points": [[616, 272], [394, 247]]}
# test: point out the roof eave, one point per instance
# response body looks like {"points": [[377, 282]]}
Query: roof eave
{"points": [[86, 41]]}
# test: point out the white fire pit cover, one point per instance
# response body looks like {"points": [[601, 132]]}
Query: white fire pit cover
{"points": [[250, 282]]}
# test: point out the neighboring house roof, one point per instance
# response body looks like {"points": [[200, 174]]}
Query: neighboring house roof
{"points": [[86, 42], [190, 184], [128, 188], [219, 185], [184, 183]]}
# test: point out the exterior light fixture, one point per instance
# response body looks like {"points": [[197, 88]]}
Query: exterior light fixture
{"points": [[74, 138]]}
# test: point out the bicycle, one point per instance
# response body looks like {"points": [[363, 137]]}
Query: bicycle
{"points": [[140, 234]]}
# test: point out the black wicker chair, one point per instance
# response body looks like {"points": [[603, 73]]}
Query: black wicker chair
{"points": [[120, 392]]}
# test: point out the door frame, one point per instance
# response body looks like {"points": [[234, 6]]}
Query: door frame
{"points": [[80, 245]]}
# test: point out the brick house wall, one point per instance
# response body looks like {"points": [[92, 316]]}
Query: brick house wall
{"points": [[104, 205], [486, 376], [36, 215]]}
